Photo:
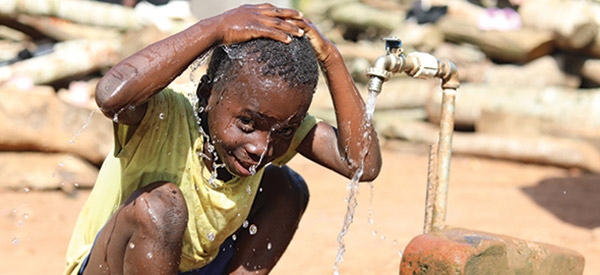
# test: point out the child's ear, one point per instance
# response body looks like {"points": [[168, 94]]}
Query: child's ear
{"points": [[204, 89]]}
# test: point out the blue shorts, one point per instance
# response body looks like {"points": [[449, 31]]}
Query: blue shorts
{"points": [[217, 266]]}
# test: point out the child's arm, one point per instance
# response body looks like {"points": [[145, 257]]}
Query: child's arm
{"points": [[340, 151], [132, 81]]}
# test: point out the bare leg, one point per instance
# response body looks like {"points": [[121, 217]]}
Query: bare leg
{"points": [[144, 236], [276, 213]]}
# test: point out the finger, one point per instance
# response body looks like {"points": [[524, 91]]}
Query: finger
{"points": [[285, 26], [281, 13], [301, 24], [275, 34]]}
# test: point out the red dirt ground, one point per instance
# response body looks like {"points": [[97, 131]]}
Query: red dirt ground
{"points": [[532, 202]]}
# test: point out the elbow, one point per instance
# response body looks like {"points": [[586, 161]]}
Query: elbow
{"points": [[371, 172], [105, 97]]}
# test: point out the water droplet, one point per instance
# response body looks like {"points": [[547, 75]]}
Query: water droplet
{"points": [[149, 255], [269, 246], [245, 224], [234, 237], [382, 237], [371, 221], [20, 223], [248, 189], [26, 189], [76, 184], [564, 192], [15, 240], [253, 229], [25, 216], [100, 266], [395, 242], [374, 233], [161, 116], [61, 164], [260, 189], [400, 253], [210, 236], [116, 118], [131, 245]]}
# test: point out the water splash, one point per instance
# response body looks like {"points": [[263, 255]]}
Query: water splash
{"points": [[354, 183], [253, 229], [85, 125], [211, 236], [262, 155], [199, 62]]}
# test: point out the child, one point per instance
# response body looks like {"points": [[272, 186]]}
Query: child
{"points": [[198, 198]]}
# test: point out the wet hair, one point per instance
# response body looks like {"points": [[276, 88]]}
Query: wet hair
{"points": [[296, 63]]}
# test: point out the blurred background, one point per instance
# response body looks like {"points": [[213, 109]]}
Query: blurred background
{"points": [[526, 150]]}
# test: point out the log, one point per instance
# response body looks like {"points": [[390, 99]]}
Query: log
{"points": [[9, 50], [590, 69], [562, 110], [542, 72], [45, 171], [370, 52], [62, 30], [85, 12], [361, 16], [37, 120], [397, 93], [7, 33], [571, 21], [587, 68], [470, 61], [69, 58], [424, 38], [540, 150], [511, 46]]}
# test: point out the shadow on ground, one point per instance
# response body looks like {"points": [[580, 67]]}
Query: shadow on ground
{"points": [[574, 200]]}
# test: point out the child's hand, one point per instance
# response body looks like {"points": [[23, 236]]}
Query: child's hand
{"points": [[323, 47], [254, 21]]}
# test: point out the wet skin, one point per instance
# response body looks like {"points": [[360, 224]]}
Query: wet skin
{"points": [[240, 124], [253, 118]]}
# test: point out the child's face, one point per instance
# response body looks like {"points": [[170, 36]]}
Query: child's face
{"points": [[253, 119]]}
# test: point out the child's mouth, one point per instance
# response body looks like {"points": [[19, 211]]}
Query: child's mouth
{"points": [[243, 167]]}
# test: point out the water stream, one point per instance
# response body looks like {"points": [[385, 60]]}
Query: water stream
{"points": [[354, 183]]}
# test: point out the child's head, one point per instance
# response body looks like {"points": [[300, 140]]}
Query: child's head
{"points": [[258, 95]]}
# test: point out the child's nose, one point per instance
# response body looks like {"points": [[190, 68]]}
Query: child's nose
{"points": [[259, 147]]}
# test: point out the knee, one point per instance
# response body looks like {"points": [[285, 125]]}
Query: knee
{"points": [[160, 210], [290, 187]]}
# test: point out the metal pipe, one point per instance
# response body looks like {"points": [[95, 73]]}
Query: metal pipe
{"points": [[431, 188], [444, 154], [426, 66]]}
